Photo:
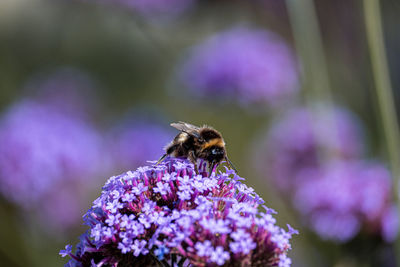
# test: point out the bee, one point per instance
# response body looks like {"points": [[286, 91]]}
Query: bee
{"points": [[195, 143]]}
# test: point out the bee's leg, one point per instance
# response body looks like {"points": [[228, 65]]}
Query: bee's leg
{"points": [[161, 159], [193, 160], [212, 166]]}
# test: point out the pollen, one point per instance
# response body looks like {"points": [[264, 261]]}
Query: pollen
{"points": [[182, 137]]}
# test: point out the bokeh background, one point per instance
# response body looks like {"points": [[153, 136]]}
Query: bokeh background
{"points": [[88, 89]]}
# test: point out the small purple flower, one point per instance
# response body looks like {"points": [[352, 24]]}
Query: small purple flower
{"points": [[162, 188], [148, 207], [113, 219], [139, 189], [204, 248], [66, 251], [128, 197], [109, 232], [126, 221], [219, 256], [114, 206], [137, 228], [143, 219], [184, 195], [249, 65], [138, 247], [125, 248], [96, 232], [169, 177], [216, 226], [240, 234], [243, 242], [202, 229]]}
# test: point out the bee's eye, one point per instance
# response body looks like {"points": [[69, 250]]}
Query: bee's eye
{"points": [[216, 151]]}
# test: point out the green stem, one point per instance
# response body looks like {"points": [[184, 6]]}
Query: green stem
{"points": [[384, 93], [309, 46]]}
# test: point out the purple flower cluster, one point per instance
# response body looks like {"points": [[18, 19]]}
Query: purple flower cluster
{"points": [[44, 154], [244, 64], [294, 144], [343, 197], [317, 160], [167, 214], [135, 142]]}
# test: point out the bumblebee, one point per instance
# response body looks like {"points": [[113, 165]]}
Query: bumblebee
{"points": [[196, 143]]}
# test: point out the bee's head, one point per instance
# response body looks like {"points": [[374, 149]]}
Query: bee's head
{"points": [[215, 154]]}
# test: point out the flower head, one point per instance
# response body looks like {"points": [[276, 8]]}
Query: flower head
{"points": [[217, 225], [243, 64]]}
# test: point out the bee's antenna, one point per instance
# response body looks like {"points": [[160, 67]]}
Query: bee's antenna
{"points": [[230, 164]]}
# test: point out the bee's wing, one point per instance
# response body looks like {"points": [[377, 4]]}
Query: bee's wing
{"points": [[187, 128]]}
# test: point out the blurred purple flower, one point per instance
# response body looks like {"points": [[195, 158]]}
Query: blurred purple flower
{"points": [[135, 142], [390, 224], [338, 195], [245, 64], [220, 225], [48, 160], [292, 145], [344, 197]]}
